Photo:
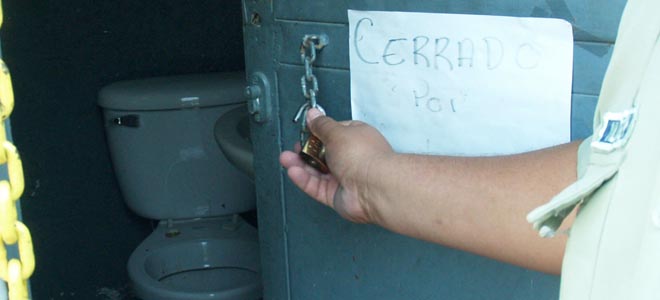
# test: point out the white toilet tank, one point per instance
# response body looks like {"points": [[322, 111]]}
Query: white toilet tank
{"points": [[163, 148]]}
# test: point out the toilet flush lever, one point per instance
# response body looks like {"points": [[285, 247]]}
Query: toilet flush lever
{"points": [[127, 120]]}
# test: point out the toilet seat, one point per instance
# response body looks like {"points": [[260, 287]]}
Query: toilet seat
{"points": [[198, 259]]}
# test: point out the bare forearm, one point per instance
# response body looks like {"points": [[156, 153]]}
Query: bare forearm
{"points": [[475, 204]]}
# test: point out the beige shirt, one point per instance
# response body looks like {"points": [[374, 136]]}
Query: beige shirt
{"points": [[613, 250]]}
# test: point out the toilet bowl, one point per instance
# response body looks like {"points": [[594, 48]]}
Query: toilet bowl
{"points": [[233, 136], [162, 139], [201, 259]]}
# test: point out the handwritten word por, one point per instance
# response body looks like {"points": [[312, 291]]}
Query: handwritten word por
{"points": [[424, 98], [443, 52]]}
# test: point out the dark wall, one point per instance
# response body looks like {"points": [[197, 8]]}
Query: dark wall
{"points": [[60, 54]]}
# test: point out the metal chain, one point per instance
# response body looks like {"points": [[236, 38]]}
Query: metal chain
{"points": [[15, 271], [309, 83]]}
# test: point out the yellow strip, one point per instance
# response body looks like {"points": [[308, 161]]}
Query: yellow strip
{"points": [[8, 216], [6, 91], [15, 170], [16, 271], [25, 250], [17, 286]]}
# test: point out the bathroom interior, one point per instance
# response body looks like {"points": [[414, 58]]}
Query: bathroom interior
{"points": [[86, 225], [60, 55]]}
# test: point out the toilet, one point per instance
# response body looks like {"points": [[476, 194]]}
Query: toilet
{"points": [[170, 169]]}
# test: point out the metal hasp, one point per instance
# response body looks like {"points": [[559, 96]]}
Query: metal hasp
{"points": [[257, 94]]}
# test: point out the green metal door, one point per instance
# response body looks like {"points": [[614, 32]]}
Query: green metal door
{"points": [[308, 252]]}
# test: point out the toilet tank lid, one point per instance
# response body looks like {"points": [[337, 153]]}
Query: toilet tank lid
{"points": [[174, 92]]}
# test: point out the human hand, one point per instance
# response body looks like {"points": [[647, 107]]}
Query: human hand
{"points": [[351, 149]]}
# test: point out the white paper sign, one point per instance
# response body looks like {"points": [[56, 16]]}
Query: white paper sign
{"points": [[462, 84]]}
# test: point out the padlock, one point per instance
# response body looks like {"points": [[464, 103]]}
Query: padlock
{"points": [[313, 153]]}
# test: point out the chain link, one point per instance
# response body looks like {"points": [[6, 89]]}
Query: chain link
{"points": [[14, 271], [309, 82], [311, 44]]}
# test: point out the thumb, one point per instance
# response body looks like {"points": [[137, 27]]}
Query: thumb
{"points": [[320, 125]]}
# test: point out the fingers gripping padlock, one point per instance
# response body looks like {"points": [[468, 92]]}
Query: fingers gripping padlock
{"points": [[312, 149]]}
